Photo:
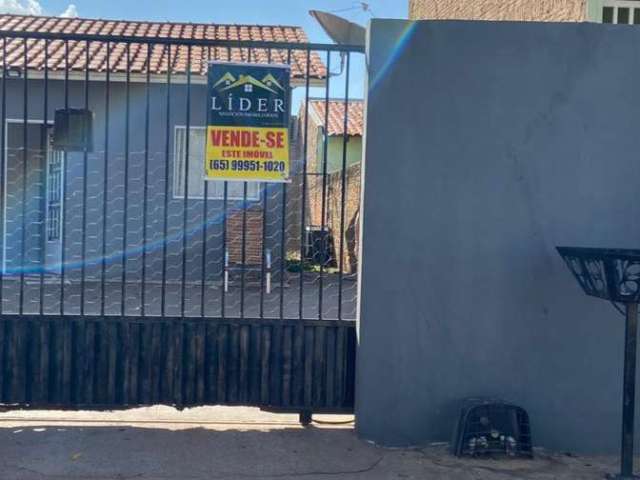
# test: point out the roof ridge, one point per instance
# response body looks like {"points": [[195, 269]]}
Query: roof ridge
{"points": [[157, 22]]}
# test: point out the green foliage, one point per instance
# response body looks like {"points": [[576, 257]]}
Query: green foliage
{"points": [[294, 265]]}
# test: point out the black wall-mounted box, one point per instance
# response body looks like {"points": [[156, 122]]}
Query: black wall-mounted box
{"points": [[73, 130]]}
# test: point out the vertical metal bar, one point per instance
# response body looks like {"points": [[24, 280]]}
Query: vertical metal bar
{"points": [[46, 145], [84, 186], [3, 160], [345, 139], [263, 248], [125, 213], [165, 227], [145, 207], [283, 232], [25, 112], [244, 247], [263, 251], [205, 216], [225, 201], [205, 219], [264, 231], [185, 203], [225, 211], [304, 183], [283, 248], [105, 179], [244, 233], [323, 209], [63, 232], [629, 386]]}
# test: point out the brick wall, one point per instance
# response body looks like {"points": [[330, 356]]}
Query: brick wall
{"points": [[333, 213], [294, 189], [314, 175], [524, 10], [333, 201], [253, 237], [350, 233]]}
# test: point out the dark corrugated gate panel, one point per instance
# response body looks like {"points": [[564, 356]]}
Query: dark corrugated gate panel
{"points": [[112, 362]]}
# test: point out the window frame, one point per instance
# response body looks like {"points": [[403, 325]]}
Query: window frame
{"points": [[59, 157], [178, 181], [30, 121], [632, 5]]}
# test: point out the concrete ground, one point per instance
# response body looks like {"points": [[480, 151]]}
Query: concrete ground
{"points": [[209, 443]]}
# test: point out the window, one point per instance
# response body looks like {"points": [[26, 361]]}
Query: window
{"points": [[197, 138], [624, 12], [55, 159]]}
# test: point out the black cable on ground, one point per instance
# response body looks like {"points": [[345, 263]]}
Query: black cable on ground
{"points": [[343, 422]]}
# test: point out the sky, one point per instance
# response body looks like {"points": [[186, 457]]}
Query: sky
{"points": [[276, 12], [283, 12]]}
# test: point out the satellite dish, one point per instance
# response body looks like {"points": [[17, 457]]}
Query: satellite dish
{"points": [[341, 31]]}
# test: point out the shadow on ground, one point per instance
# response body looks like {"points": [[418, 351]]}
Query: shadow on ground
{"points": [[123, 453], [121, 446]]}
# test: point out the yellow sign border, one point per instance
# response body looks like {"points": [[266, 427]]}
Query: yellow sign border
{"points": [[247, 154]]}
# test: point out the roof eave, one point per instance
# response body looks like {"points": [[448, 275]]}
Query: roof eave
{"points": [[177, 78]]}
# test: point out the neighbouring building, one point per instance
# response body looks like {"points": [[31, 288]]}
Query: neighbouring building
{"points": [[524, 140], [46, 229], [342, 165], [605, 11]]}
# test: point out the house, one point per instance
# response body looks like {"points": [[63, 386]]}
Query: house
{"points": [[599, 11], [326, 124], [126, 198]]}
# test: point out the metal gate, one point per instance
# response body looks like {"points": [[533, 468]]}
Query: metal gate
{"points": [[128, 280]]}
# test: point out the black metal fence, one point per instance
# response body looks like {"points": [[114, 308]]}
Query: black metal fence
{"points": [[129, 227], [126, 278], [115, 362]]}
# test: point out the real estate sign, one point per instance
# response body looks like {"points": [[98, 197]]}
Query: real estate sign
{"points": [[248, 122]]}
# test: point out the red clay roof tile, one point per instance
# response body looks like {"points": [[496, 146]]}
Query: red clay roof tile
{"points": [[147, 31], [355, 117]]}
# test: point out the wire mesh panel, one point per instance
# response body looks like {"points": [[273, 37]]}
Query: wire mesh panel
{"points": [[126, 225], [115, 249]]}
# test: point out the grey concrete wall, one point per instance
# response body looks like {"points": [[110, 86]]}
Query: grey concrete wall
{"points": [[487, 145], [118, 150]]}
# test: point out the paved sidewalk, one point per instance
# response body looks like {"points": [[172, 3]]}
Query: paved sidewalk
{"points": [[210, 443]]}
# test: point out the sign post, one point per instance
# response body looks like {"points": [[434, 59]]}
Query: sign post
{"points": [[248, 122]]}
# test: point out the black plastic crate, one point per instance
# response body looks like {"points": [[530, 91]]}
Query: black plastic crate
{"points": [[489, 427]]}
